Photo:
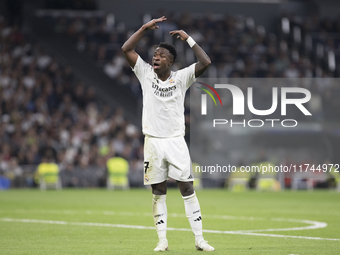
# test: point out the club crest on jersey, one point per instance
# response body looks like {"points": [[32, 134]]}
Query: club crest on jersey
{"points": [[146, 178], [172, 81]]}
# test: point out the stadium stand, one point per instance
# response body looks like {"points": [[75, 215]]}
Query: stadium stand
{"points": [[44, 107], [237, 46]]}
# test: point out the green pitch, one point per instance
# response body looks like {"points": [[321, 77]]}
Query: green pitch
{"points": [[120, 222]]}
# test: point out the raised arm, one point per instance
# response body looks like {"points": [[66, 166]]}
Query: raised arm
{"points": [[203, 59], [130, 45]]}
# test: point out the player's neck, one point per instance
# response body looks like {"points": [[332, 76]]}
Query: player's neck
{"points": [[163, 76]]}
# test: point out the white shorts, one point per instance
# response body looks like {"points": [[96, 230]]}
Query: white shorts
{"points": [[166, 158]]}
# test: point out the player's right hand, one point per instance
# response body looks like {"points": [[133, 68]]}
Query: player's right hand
{"points": [[152, 24]]}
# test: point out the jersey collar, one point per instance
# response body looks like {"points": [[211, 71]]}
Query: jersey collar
{"points": [[159, 80]]}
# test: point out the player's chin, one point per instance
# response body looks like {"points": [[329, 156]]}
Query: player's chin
{"points": [[156, 69]]}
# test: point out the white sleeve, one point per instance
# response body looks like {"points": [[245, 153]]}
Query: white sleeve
{"points": [[140, 69], [188, 75]]}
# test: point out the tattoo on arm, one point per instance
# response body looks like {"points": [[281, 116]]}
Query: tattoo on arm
{"points": [[203, 60]]}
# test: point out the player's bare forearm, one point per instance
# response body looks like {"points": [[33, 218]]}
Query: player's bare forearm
{"points": [[130, 45], [132, 42], [203, 59]]}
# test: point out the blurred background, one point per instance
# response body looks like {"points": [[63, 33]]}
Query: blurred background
{"points": [[69, 101]]}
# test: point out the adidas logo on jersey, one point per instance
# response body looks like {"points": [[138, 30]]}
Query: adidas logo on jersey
{"points": [[190, 177]]}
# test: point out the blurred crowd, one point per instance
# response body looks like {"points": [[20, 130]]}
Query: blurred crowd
{"points": [[46, 113], [301, 47], [70, 4], [236, 45]]}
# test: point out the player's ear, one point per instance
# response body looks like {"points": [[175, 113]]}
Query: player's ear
{"points": [[171, 59]]}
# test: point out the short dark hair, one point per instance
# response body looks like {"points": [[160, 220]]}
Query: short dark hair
{"points": [[170, 48]]}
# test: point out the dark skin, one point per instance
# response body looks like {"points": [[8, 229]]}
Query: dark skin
{"points": [[162, 62]]}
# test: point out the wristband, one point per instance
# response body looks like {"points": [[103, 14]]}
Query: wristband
{"points": [[191, 41]]}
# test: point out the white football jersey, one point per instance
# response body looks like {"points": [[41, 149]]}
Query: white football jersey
{"points": [[163, 101]]}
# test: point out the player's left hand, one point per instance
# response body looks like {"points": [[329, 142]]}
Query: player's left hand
{"points": [[180, 34]]}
